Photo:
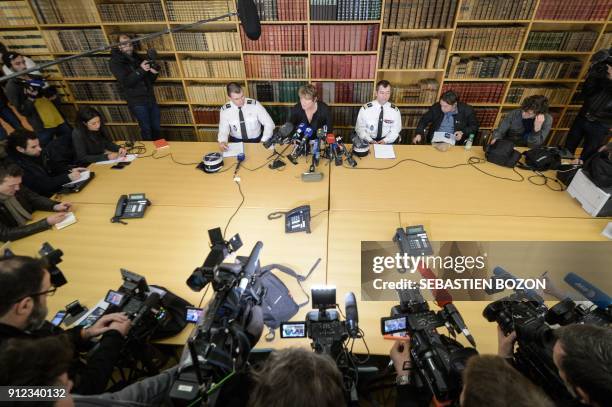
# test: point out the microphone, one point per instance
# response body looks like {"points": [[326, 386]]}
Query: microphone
{"points": [[588, 290], [240, 157], [352, 316], [247, 12], [500, 273], [152, 54], [250, 267], [458, 321], [343, 150], [151, 302]]}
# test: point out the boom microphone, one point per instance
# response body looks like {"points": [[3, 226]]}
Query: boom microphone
{"points": [[588, 290], [352, 316], [247, 12]]}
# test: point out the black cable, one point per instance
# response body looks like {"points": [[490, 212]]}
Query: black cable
{"points": [[203, 295], [237, 209]]}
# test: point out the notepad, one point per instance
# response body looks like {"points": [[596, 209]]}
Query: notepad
{"points": [[384, 151], [234, 149], [84, 177], [70, 219], [128, 158]]}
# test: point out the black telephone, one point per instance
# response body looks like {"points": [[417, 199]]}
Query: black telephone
{"points": [[413, 241], [298, 220], [130, 207]]}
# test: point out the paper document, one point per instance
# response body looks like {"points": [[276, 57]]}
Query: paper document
{"points": [[70, 219], [128, 158], [234, 150], [442, 137], [384, 151], [84, 177], [607, 232]]}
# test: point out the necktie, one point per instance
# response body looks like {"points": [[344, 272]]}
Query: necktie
{"points": [[243, 131], [380, 124]]}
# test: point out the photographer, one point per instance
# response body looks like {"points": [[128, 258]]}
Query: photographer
{"points": [[39, 104], [487, 380], [594, 120], [46, 362], [136, 77], [24, 286]]}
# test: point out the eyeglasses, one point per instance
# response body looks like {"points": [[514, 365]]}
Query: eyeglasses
{"points": [[49, 293]]}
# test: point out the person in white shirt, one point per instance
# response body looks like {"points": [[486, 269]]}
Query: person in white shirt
{"points": [[379, 121], [242, 119]]}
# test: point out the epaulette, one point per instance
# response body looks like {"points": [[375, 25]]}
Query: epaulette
{"points": [[226, 106], [394, 107], [251, 101], [367, 105]]}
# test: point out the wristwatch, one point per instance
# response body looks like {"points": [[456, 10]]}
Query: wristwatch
{"points": [[403, 380]]}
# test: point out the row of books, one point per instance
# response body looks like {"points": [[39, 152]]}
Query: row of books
{"points": [[496, 10], [169, 92], [548, 68], [207, 41], [277, 91], [87, 67], [74, 40], [127, 132], [411, 116], [132, 12], [283, 10], [65, 11], [409, 53], [15, 13], [279, 114], [581, 10], [499, 66], [486, 116], [343, 66], [345, 92], [207, 134], [275, 66], [342, 10], [213, 68], [115, 113], [354, 37], [206, 114], [413, 14], [87, 91], [25, 42], [161, 43], [488, 38], [604, 41], [174, 115], [568, 118], [345, 116], [276, 38], [476, 92], [424, 91], [556, 94], [190, 11], [578, 41], [207, 94]]}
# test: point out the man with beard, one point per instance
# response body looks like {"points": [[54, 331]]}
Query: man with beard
{"points": [[25, 284]]}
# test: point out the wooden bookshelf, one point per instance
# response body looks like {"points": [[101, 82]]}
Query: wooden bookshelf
{"points": [[398, 77]]}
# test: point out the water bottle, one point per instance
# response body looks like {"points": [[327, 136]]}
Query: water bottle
{"points": [[469, 142]]}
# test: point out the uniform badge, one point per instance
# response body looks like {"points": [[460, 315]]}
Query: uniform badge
{"points": [[371, 128]]}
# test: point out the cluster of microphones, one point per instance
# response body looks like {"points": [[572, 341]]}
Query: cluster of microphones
{"points": [[321, 145]]}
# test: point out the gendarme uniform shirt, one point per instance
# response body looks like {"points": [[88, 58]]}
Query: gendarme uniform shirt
{"points": [[255, 116], [367, 122]]}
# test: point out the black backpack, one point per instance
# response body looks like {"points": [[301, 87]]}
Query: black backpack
{"points": [[542, 159], [502, 153], [176, 309], [599, 169]]}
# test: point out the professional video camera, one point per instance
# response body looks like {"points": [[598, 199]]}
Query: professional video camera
{"points": [[36, 84], [439, 359], [229, 328], [52, 257], [152, 58]]}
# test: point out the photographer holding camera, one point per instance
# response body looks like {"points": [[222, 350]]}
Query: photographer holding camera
{"points": [[136, 77], [594, 120], [25, 284], [35, 100], [582, 354]]}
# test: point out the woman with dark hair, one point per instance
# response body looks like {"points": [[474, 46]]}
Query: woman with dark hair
{"points": [[528, 126], [91, 144]]}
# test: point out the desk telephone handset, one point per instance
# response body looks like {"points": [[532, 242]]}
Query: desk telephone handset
{"points": [[130, 207]]}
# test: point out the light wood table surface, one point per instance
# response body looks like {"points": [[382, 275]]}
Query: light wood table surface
{"points": [[167, 183], [414, 187]]}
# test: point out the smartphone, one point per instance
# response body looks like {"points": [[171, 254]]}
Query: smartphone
{"points": [[115, 298], [58, 318], [92, 318], [293, 330], [193, 314]]}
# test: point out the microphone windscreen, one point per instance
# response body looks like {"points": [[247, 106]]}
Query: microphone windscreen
{"points": [[286, 129], [152, 54], [249, 18]]}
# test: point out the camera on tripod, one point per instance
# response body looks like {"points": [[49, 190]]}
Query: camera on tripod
{"points": [[439, 359]]}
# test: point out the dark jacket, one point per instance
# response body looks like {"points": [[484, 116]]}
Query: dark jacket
{"points": [[465, 121], [511, 128], [36, 176], [25, 105], [322, 117], [597, 93], [89, 146], [90, 378], [136, 83], [31, 201]]}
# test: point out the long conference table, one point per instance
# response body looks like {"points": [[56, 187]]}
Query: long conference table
{"points": [[351, 205]]}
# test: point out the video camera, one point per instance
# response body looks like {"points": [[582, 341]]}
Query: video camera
{"points": [[152, 58], [52, 257], [37, 85], [439, 359], [230, 326]]}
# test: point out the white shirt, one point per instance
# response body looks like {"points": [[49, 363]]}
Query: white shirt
{"points": [[367, 122], [255, 116]]}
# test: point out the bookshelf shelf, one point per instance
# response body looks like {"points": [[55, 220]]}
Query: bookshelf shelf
{"points": [[411, 70], [340, 80], [214, 79], [419, 30], [275, 52], [131, 23], [452, 51], [343, 52], [71, 25], [544, 80], [283, 22], [476, 79], [17, 27], [496, 22], [556, 52], [344, 22], [600, 22], [203, 52], [279, 79]]}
